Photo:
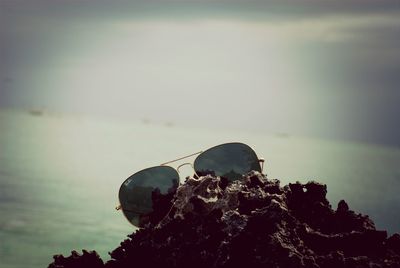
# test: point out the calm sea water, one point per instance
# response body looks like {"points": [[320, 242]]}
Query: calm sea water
{"points": [[59, 177]]}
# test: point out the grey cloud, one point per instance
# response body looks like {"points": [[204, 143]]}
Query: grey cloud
{"points": [[358, 67], [188, 9]]}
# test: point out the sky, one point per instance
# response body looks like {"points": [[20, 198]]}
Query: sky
{"points": [[326, 69]]}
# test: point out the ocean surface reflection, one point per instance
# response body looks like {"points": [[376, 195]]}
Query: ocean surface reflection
{"points": [[60, 175]]}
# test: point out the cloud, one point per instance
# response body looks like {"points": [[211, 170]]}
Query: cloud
{"points": [[275, 9], [310, 63]]}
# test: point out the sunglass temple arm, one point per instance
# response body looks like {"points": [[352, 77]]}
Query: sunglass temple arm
{"points": [[261, 160]]}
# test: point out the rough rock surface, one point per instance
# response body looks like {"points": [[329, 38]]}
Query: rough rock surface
{"points": [[251, 223]]}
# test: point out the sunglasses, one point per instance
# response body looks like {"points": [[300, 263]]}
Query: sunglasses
{"points": [[152, 187]]}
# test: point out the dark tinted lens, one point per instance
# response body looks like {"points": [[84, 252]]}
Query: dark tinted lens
{"points": [[146, 191], [230, 160]]}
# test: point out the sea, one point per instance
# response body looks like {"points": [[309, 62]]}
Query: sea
{"points": [[60, 176]]}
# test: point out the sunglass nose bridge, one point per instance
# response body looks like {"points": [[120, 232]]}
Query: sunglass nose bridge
{"points": [[180, 158], [185, 164]]}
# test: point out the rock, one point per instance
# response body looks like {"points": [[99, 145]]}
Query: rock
{"points": [[253, 222], [393, 243], [87, 259]]}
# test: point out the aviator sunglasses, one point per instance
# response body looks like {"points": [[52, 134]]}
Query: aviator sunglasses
{"points": [[151, 187]]}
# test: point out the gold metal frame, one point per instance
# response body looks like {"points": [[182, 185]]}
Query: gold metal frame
{"points": [[261, 160], [180, 158]]}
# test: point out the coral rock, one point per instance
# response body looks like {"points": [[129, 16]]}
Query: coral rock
{"points": [[254, 223]]}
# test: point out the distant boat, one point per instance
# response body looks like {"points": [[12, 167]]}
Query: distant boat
{"points": [[36, 112]]}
